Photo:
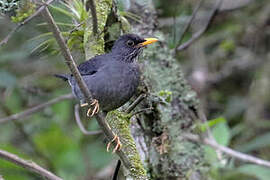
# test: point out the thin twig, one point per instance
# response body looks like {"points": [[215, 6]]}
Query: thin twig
{"points": [[142, 111], [35, 109], [74, 70], [135, 103], [91, 4], [5, 40], [78, 121], [116, 171], [200, 32], [193, 15], [228, 151], [28, 165]]}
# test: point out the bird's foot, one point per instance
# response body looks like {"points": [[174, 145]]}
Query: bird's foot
{"points": [[91, 112], [118, 144]]}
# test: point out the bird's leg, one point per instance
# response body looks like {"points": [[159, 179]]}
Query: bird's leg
{"points": [[118, 144], [95, 109], [84, 104]]}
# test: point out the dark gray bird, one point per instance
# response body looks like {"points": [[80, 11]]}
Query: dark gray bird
{"points": [[112, 78]]}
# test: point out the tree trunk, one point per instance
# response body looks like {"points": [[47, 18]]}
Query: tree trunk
{"points": [[166, 154]]}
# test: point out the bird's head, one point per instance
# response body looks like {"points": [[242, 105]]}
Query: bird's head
{"points": [[129, 46]]}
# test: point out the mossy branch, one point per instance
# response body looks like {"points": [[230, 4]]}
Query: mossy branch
{"points": [[119, 122]]}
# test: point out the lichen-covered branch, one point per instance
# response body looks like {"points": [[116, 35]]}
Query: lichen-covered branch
{"points": [[119, 122]]}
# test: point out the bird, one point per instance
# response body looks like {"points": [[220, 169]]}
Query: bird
{"points": [[111, 78]]}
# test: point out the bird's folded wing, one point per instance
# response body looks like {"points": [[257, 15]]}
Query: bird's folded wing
{"points": [[91, 66]]}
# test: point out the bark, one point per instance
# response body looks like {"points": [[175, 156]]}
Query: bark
{"points": [[166, 154]]}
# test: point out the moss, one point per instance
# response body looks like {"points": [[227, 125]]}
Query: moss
{"points": [[94, 45], [26, 9], [164, 74], [119, 122]]}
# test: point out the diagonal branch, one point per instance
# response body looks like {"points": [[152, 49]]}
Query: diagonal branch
{"points": [[67, 55], [74, 70], [202, 31], [193, 15], [229, 151], [28, 165], [35, 109], [5, 40]]}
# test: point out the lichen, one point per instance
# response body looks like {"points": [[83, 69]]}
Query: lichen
{"points": [[119, 123], [94, 44], [164, 74]]}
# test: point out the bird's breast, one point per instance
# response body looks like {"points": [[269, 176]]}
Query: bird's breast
{"points": [[115, 85]]}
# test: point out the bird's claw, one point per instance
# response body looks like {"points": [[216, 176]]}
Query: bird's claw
{"points": [[118, 144], [95, 110]]}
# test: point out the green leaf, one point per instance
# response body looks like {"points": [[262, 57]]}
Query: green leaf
{"points": [[211, 123], [63, 11], [221, 133], [210, 155], [53, 142], [262, 173]]}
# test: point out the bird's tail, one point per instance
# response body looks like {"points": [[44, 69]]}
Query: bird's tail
{"points": [[64, 77]]}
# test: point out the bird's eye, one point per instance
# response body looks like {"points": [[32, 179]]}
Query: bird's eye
{"points": [[130, 43]]}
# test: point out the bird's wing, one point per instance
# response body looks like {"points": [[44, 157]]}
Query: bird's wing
{"points": [[91, 66]]}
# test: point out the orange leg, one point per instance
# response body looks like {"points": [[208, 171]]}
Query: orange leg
{"points": [[95, 110], [118, 144]]}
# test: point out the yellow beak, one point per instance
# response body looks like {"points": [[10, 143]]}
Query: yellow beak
{"points": [[148, 41]]}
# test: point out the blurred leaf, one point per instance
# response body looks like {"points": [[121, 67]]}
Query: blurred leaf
{"points": [[227, 45], [63, 11], [53, 142], [98, 155], [71, 164], [221, 133], [7, 79], [237, 129], [262, 173], [14, 101], [210, 123], [123, 5], [257, 143], [6, 56], [61, 111], [210, 155]]}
